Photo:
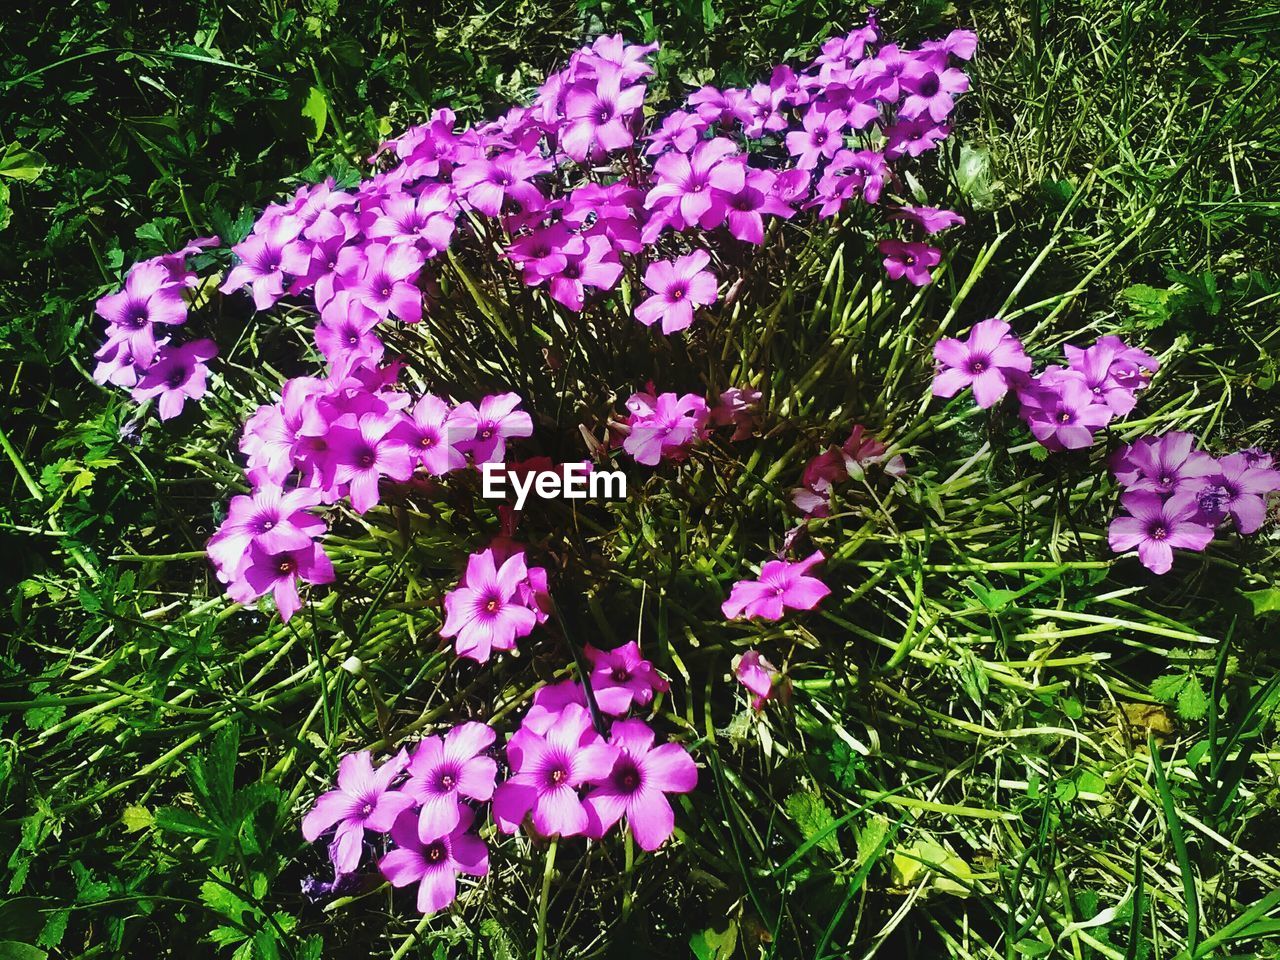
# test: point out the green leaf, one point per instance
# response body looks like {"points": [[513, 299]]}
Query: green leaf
{"points": [[811, 814], [177, 820], [1192, 703], [715, 945], [1264, 601], [316, 109], [13, 950], [19, 164], [6, 214], [137, 817]]}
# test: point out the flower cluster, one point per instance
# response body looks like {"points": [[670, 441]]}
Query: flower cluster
{"points": [[421, 801], [1177, 496], [568, 780], [665, 426], [499, 600], [140, 354], [836, 464], [1064, 406]]}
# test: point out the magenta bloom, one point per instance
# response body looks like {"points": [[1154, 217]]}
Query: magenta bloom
{"points": [[929, 219], [547, 770], [598, 116], [383, 280], [664, 426], [488, 184], [758, 675], [445, 770], [621, 678], [177, 375], [261, 258], [1156, 525], [279, 573], [432, 435], [345, 334], [1113, 371], [913, 138], [1165, 465], [274, 519], [434, 864], [679, 131], [739, 407], [366, 454], [931, 91], [488, 609], [822, 136], [637, 786], [990, 360], [1062, 414], [694, 186], [588, 262], [677, 288], [426, 219], [363, 801], [1238, 488], [912, 260], [149, 296], [492, 425], [781, 584]]}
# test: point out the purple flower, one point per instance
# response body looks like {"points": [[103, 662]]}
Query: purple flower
{"points": [[178, 374], [434, 864], [274, 519], [1165, 465], [426, 219], [363, 801], [496, 421], [780, 585], [691, 189], [432, 435], [149, 296], [489, 609], [621, 678], [488, 184], [679, 130], [990, 359], [822, 136], [664, 426], [261, 259], [1113, 371], [365, 454], [638, 785], [598, 116], [758, 675], [1238, 488], [909, 259], [549, 702], [279, 572], [547, 770], [737, 406], [345, 334], [913, 138], [1062, 414], [445, 770], [929, 219], [931, 91], [587, 262], [677, 288], [383, 280], [1156, 525]]}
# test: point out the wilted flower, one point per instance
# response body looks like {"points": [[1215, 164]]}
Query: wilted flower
{"points": [[758, 675]]}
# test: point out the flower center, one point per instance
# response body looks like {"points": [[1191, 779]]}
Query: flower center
{"points": [[930, 86], [366, 810], [557, 776], [434, 853], [426, 441], [366, 459], [1158, 532], [286, 565], [177, 378], [491, 605], [447, 781], [620, 675], [628, 778], [486, 433]]}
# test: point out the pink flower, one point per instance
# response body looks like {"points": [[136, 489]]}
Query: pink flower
{"points": [[262, 256], [549, 702], [1165, 465], [432, 435], [149, 296], [931, 91], [345, 334], [496, 421], [178, 374], [822, 136], [911, 260], [444, 771], [621, 678], [383, 280], [365, 455], [488, 184], [547, 771], [637, 786], [1156, 525], [588, 262], [929, 219], [664, 426], [758, 675], [990, 360], [488, 609], [1062, 414], [692, 189], [598, 116], [276, 520], [434, 864], [364, 800], [737, 406], [780, 585], [677, 288], [1238, 488], [279, 573]]}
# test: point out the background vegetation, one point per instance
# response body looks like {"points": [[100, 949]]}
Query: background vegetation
{"points": [[970, 774]]}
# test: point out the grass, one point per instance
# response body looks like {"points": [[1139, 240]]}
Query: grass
{"points": [[1001, 742]]}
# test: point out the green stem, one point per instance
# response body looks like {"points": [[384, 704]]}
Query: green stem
{"points": [[548, 871]]}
